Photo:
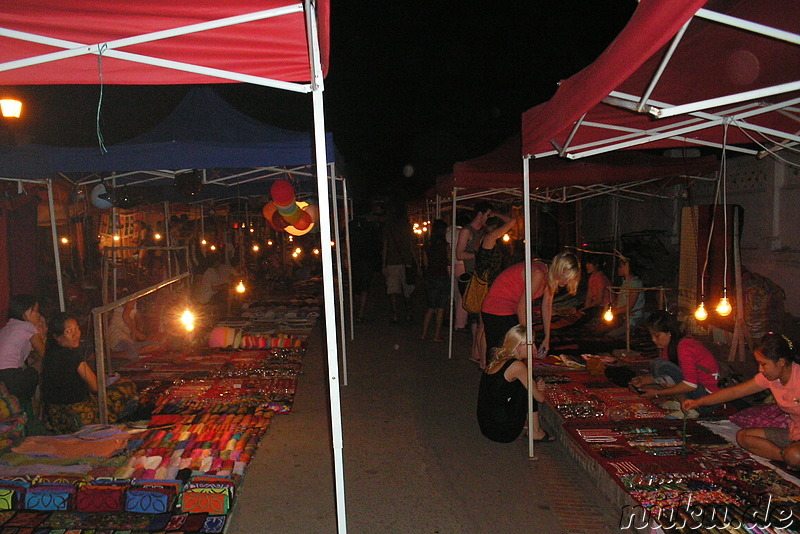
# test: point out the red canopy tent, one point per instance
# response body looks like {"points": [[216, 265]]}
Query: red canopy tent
{"points": [[274, 43], [676, 73], [166, 42], [558, 180], [718, 73]]}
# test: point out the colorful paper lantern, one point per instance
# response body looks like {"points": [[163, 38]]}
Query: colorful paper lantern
{"points": [[282, 193]]}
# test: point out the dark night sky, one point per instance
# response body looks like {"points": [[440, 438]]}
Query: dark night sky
{"points": [[417, 83]]}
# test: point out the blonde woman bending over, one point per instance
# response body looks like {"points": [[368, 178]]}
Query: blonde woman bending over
{"points": [[505, 306], [502, 395]]}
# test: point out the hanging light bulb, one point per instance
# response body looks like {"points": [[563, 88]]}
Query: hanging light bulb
{"points": [[240, 288], [608, 315], [213, 247], [270, 243], [157, 237], [315, 251], [203, 242], [255, 248], [64, 241], [10, 107], [506, 238], [187, 318], [701, 314], [116, 238], [724, 306]]}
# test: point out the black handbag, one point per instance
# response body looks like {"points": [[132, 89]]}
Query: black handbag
{"points": [[411, 274]]}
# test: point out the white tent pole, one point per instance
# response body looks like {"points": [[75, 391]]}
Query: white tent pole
{"points": [[56, 255], [526, 189], [169, 239], [339, 283], [453, 281], [114, 233], [349, 264], [327, 266]]}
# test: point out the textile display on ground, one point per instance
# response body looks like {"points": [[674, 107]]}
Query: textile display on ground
{"points": [[211, 408], [684, 476]]}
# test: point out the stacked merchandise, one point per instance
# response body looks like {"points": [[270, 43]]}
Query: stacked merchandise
{"points": [[180, 473], [586, 397], [685, 478]]}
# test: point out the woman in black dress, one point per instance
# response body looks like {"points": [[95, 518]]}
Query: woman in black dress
{"points": [[502, 395]]}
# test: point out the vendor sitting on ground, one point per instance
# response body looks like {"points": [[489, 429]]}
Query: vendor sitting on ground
{"points": [[780, 372], [502, 395], [684, 369], [22, 340], [69, 386]]}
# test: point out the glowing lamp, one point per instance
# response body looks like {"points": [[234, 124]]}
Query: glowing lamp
{"points": [[240, 288], [724, 307], [295, 254], [333, 244], [255, 248], [298, 250], [269, 243], [252, 230], [157, 237], [316, 251], [64, 240], [213, 247], [701, 314], [187, 318], [11, 108], [116, 238], [203, 242], [608, 315], [506, 238]]}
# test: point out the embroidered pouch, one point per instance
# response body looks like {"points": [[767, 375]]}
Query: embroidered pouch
{"points": [[49, 497], [215, 501], [100, 498]]}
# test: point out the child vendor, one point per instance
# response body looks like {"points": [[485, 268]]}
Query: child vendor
{"points": [[779, 371]]}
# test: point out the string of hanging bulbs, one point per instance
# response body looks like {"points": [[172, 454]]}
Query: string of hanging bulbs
{"points": [[724, 307]]}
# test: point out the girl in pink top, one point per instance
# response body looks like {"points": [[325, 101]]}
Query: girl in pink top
{"points": [[504, 305], [780, 372]]}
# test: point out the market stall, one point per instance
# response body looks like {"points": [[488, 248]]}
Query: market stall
{"points": [[273, 44]]}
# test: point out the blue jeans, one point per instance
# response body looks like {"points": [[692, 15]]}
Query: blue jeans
{"points": [[668, 374]]}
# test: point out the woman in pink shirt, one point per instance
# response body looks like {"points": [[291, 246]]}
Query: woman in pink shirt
{"points": [[504, 305], [685, 368], [780, 372]]}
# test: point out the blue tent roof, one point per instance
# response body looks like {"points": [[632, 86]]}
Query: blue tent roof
{"points": [[202, 132]]}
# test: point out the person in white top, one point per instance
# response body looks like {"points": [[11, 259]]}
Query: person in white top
{"points": [[25, 331]]}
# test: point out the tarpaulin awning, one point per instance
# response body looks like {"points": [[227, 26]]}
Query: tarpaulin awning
{"points": [[562, 180], [202, 132], [656, 85], [251, 41]]}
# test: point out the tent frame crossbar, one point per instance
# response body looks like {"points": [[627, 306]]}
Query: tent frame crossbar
{"points": [[644, 105], [109, 49], [676, 131]]}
